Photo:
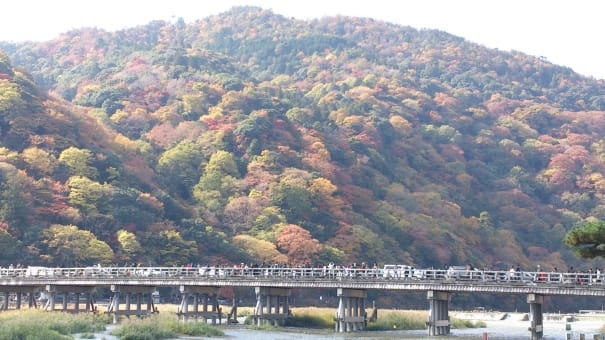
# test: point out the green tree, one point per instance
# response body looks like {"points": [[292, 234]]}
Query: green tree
{"points": [[194, 105], [87, 194], [106, 98], [331, 254], [587, 239], [128, 206], [302, 116], [223, 162], [10, 248], [485, 220], [170, 249], [293, 198], [259, 250], [176, 250], [15, 203], [181, 167], [78, 161], [219, 181], [70, 246], [213, 245], [10, 97], [39, 160], [265, 223], [130, 247]]}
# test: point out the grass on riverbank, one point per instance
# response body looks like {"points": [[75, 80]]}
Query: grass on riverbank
{"points": [[413, 319], [398, 320], [162, 326], [313, 317], [37, 324]]}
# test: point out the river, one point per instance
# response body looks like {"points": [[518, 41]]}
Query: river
{"points": [[496, 330]]}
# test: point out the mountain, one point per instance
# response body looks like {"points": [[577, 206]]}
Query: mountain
{"points": [[251, 137]]}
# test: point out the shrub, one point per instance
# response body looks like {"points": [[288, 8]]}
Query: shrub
{"points": [[311, 317], [163, 326], [142, 329], [398, 320], [36, 324]]}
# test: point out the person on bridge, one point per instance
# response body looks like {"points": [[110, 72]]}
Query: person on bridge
{"points": [[511, 273]]}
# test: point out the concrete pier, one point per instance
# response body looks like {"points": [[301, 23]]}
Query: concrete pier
{"points": [[535, 316], [272, 306], [5, 300], [14, 296], [351, 312], [207, 297], [141, 294], [77, 292], [439, 320]]}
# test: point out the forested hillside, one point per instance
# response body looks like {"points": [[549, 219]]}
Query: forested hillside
{"points": [[251, 137]]}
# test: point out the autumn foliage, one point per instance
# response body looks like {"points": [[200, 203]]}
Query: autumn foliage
{"points": [[250, 137]]}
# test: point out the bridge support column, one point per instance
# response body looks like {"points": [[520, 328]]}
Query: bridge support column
{"points": [[114, 306], [351, 312], [127, 291], [232, 316], [31, 300], [77, 303], [77, 291], [535, 316], [139, 301], [18, 293], [196, 304], [5, 296], [52, 298], [208, 295], [439, 320], [64, 309], [268, 303], [18, 301]]}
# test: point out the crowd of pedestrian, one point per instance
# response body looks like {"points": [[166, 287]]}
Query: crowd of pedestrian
{"points": [[329, 270]]}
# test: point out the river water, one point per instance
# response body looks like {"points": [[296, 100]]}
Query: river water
{"points": [[496, 330]]}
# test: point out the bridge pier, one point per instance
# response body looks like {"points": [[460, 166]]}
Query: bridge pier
{"points": [[77, 291], [18, 293], [351, 312], [439, 320], [5, 297], [139, 292], [535, 316], [207, 296], [268, 303]]}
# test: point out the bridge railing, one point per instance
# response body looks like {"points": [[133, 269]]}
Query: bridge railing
{"points": [[297, 273]]}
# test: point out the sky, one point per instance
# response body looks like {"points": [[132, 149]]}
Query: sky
{"points": [[565, 32]]}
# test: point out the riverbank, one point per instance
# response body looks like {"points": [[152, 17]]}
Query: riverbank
{"points": [[498, 326]]}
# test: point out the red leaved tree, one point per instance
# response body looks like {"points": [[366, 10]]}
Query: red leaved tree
{"points": [[298, 244]]}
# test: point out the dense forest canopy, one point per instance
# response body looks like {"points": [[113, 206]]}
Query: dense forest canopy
{"points": [[251, 137]]}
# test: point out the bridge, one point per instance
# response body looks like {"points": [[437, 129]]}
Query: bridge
{"points": [[199, 287]]}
